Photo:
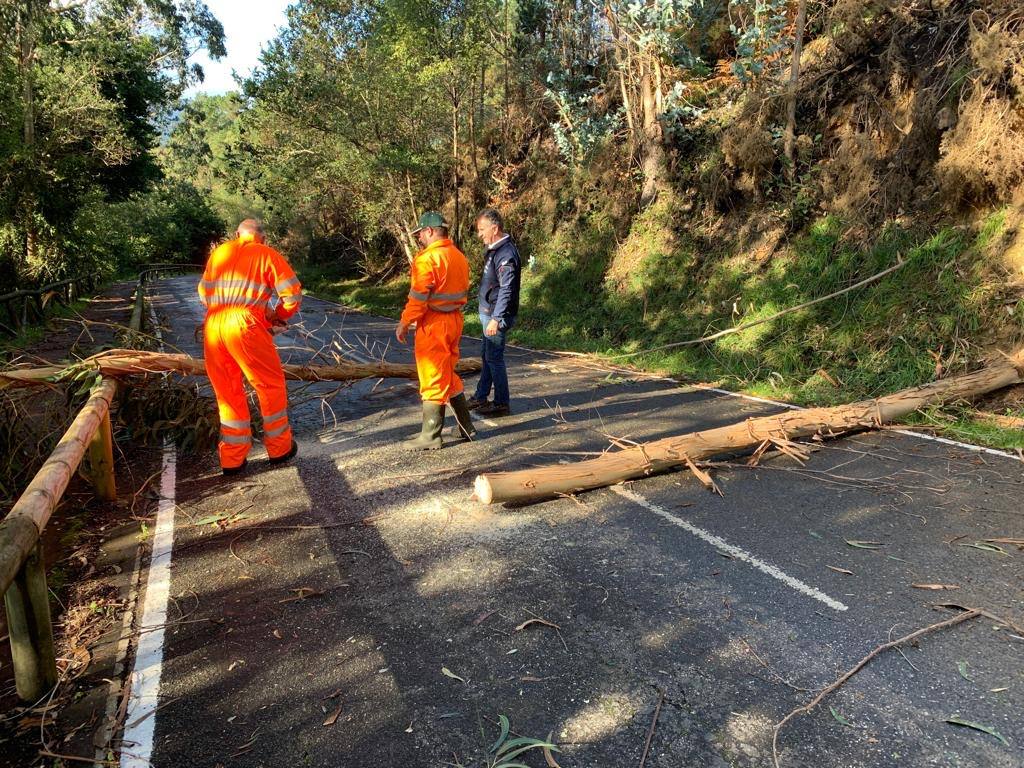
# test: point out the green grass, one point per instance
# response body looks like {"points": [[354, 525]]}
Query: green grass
{"points": [[869, 342], [385, 300]]}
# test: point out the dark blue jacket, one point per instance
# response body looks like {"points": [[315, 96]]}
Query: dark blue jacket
{"points": [[499, 286]]}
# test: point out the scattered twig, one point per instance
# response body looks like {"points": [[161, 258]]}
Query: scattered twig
{"points": [[774, 674], [654, 724], [900, 650], [959, 619], [539, 620], [76, 758]]}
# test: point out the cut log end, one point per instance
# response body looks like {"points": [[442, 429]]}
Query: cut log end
{"points": [[482, 489]]}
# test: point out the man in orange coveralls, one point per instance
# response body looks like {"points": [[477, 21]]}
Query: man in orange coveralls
{"points": [[437, 294], [240, 277]]}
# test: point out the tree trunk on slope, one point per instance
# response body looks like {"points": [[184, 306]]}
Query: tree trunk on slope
{"points": [[654, 161], [794, 80]]}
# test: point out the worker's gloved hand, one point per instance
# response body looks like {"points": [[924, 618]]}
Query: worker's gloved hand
{"points": [[277, 326]]}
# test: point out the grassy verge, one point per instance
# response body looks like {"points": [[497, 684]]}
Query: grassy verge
{"points": [[945, 307]]}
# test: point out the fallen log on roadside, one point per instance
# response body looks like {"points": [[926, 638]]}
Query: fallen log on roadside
{"points": [[682, 450], [124, 362]]}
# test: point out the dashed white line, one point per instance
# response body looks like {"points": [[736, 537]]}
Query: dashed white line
{"points": [[740, 554]]}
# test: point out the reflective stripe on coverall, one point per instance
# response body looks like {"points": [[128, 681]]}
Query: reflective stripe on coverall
{"points": [[437, 294], [240, 277]]}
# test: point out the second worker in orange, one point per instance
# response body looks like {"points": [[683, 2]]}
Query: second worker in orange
{"points": [[437, 294]]}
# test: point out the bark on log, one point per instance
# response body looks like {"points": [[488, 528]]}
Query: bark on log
{"points": [[672, 452], [122, 362]]}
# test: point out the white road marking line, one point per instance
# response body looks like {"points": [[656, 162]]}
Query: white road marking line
{"points": [[739, 554], [142, 704], [140, 718]]}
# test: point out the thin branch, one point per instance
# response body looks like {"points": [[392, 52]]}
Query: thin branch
{"points": [[959, 619], [752, 323]]}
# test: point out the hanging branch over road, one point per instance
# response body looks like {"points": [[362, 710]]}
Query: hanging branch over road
{"points": [[681, 450], [744, 326], [125, 362]]}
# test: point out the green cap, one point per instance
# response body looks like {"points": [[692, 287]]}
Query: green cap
{"points": [[430, 219]]}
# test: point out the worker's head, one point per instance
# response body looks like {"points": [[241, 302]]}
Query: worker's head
{"points": [[430, 228], [251, 229], [489, 226]]}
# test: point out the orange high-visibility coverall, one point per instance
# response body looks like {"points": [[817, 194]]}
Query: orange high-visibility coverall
{"points": [[440, 284], [240, 277]]}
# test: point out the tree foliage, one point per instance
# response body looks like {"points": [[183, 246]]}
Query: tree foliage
{"points": [[364, 113], [83, 86]]}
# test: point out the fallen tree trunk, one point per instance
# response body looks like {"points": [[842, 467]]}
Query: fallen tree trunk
{"points": [[672, 452], [122, 362]]}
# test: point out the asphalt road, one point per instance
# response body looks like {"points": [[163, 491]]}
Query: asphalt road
{"points": [[315, 607]]}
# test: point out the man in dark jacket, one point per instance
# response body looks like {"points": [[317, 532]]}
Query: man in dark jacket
{"points": [[499, 305]]}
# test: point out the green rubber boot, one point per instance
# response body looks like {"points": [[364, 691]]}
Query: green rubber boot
{"points": [[429, 438], [464, 428]]}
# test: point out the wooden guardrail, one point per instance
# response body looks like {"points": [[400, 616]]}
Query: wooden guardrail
{"points": [[20, 308], [22, 568]]}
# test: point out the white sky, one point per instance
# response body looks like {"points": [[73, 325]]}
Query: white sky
{"points": [[248, 25]]}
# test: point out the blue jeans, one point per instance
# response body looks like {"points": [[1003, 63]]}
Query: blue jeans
{"points": [[493, 372]]}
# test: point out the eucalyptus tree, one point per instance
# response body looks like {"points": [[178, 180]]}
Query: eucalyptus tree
{"points": [[655, 42]]}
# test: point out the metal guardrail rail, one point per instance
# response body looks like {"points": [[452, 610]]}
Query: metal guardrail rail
{"points": [[21, 308], [22, 569]]}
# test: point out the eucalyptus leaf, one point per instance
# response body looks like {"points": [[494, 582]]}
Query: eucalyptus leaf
{"points": [[977, 727], [839, 718], [864, 544], [504, 733], [962, 669]]}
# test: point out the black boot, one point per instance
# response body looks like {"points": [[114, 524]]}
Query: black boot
{"points": [[290, 455], [429, 438], [464, 427]]}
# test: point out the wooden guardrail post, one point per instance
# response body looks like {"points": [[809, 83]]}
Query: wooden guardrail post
{"points": [[101, 461], [28, 621], [136, 320]]}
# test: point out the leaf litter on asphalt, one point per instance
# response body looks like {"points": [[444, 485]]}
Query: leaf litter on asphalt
{"points": [[448, 673], [865, 544], [961, 667], [839, 718], [984, 547], [955, 720]]}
